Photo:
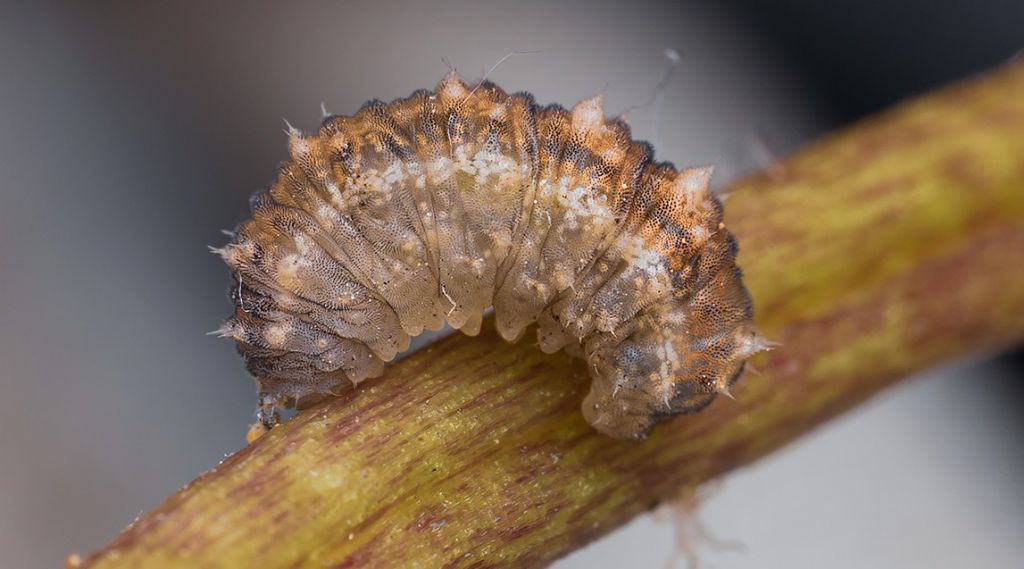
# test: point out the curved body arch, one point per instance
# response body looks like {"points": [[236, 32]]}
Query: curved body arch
{"points": [[433, 208]]}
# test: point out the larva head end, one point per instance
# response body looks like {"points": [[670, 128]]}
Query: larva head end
{"points": [[619, 414]]}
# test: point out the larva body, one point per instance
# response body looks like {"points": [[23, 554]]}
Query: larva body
{"points": [[435, 207]]}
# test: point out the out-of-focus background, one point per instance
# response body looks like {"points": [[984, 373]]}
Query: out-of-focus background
{"points": [[131, 134]]}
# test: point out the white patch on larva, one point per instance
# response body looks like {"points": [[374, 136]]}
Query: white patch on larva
{"points": [[583, 207], [669, 365], [588, 114], [394, 174], [325, 215], [497, 113], [299, 145], [453, 89], [276, 334], [750, 343], [613, 154], [288, 270], [486, 164], [694, 181], [643, 258], [334, 194], [700, 234], [303, 244], [440, 170], [226, 253]]}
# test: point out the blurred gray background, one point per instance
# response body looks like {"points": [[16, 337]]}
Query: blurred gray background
{"points": [[131, 134]]}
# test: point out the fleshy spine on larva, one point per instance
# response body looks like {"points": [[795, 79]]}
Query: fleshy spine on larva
{"points": [[435, 207]]}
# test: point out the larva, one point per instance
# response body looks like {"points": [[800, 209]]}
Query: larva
{"points": [[436, 207]]}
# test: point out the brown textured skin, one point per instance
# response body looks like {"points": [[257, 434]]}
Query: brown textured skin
{"points": [[435, 207]]}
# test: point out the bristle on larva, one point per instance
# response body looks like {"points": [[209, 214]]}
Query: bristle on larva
{"points": [[431, 209]]}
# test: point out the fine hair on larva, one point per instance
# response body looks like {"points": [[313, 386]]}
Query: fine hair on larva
{"points": [[436, 207]]}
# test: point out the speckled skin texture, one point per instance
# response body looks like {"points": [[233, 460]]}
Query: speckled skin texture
{"points": [[435, 207]]}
